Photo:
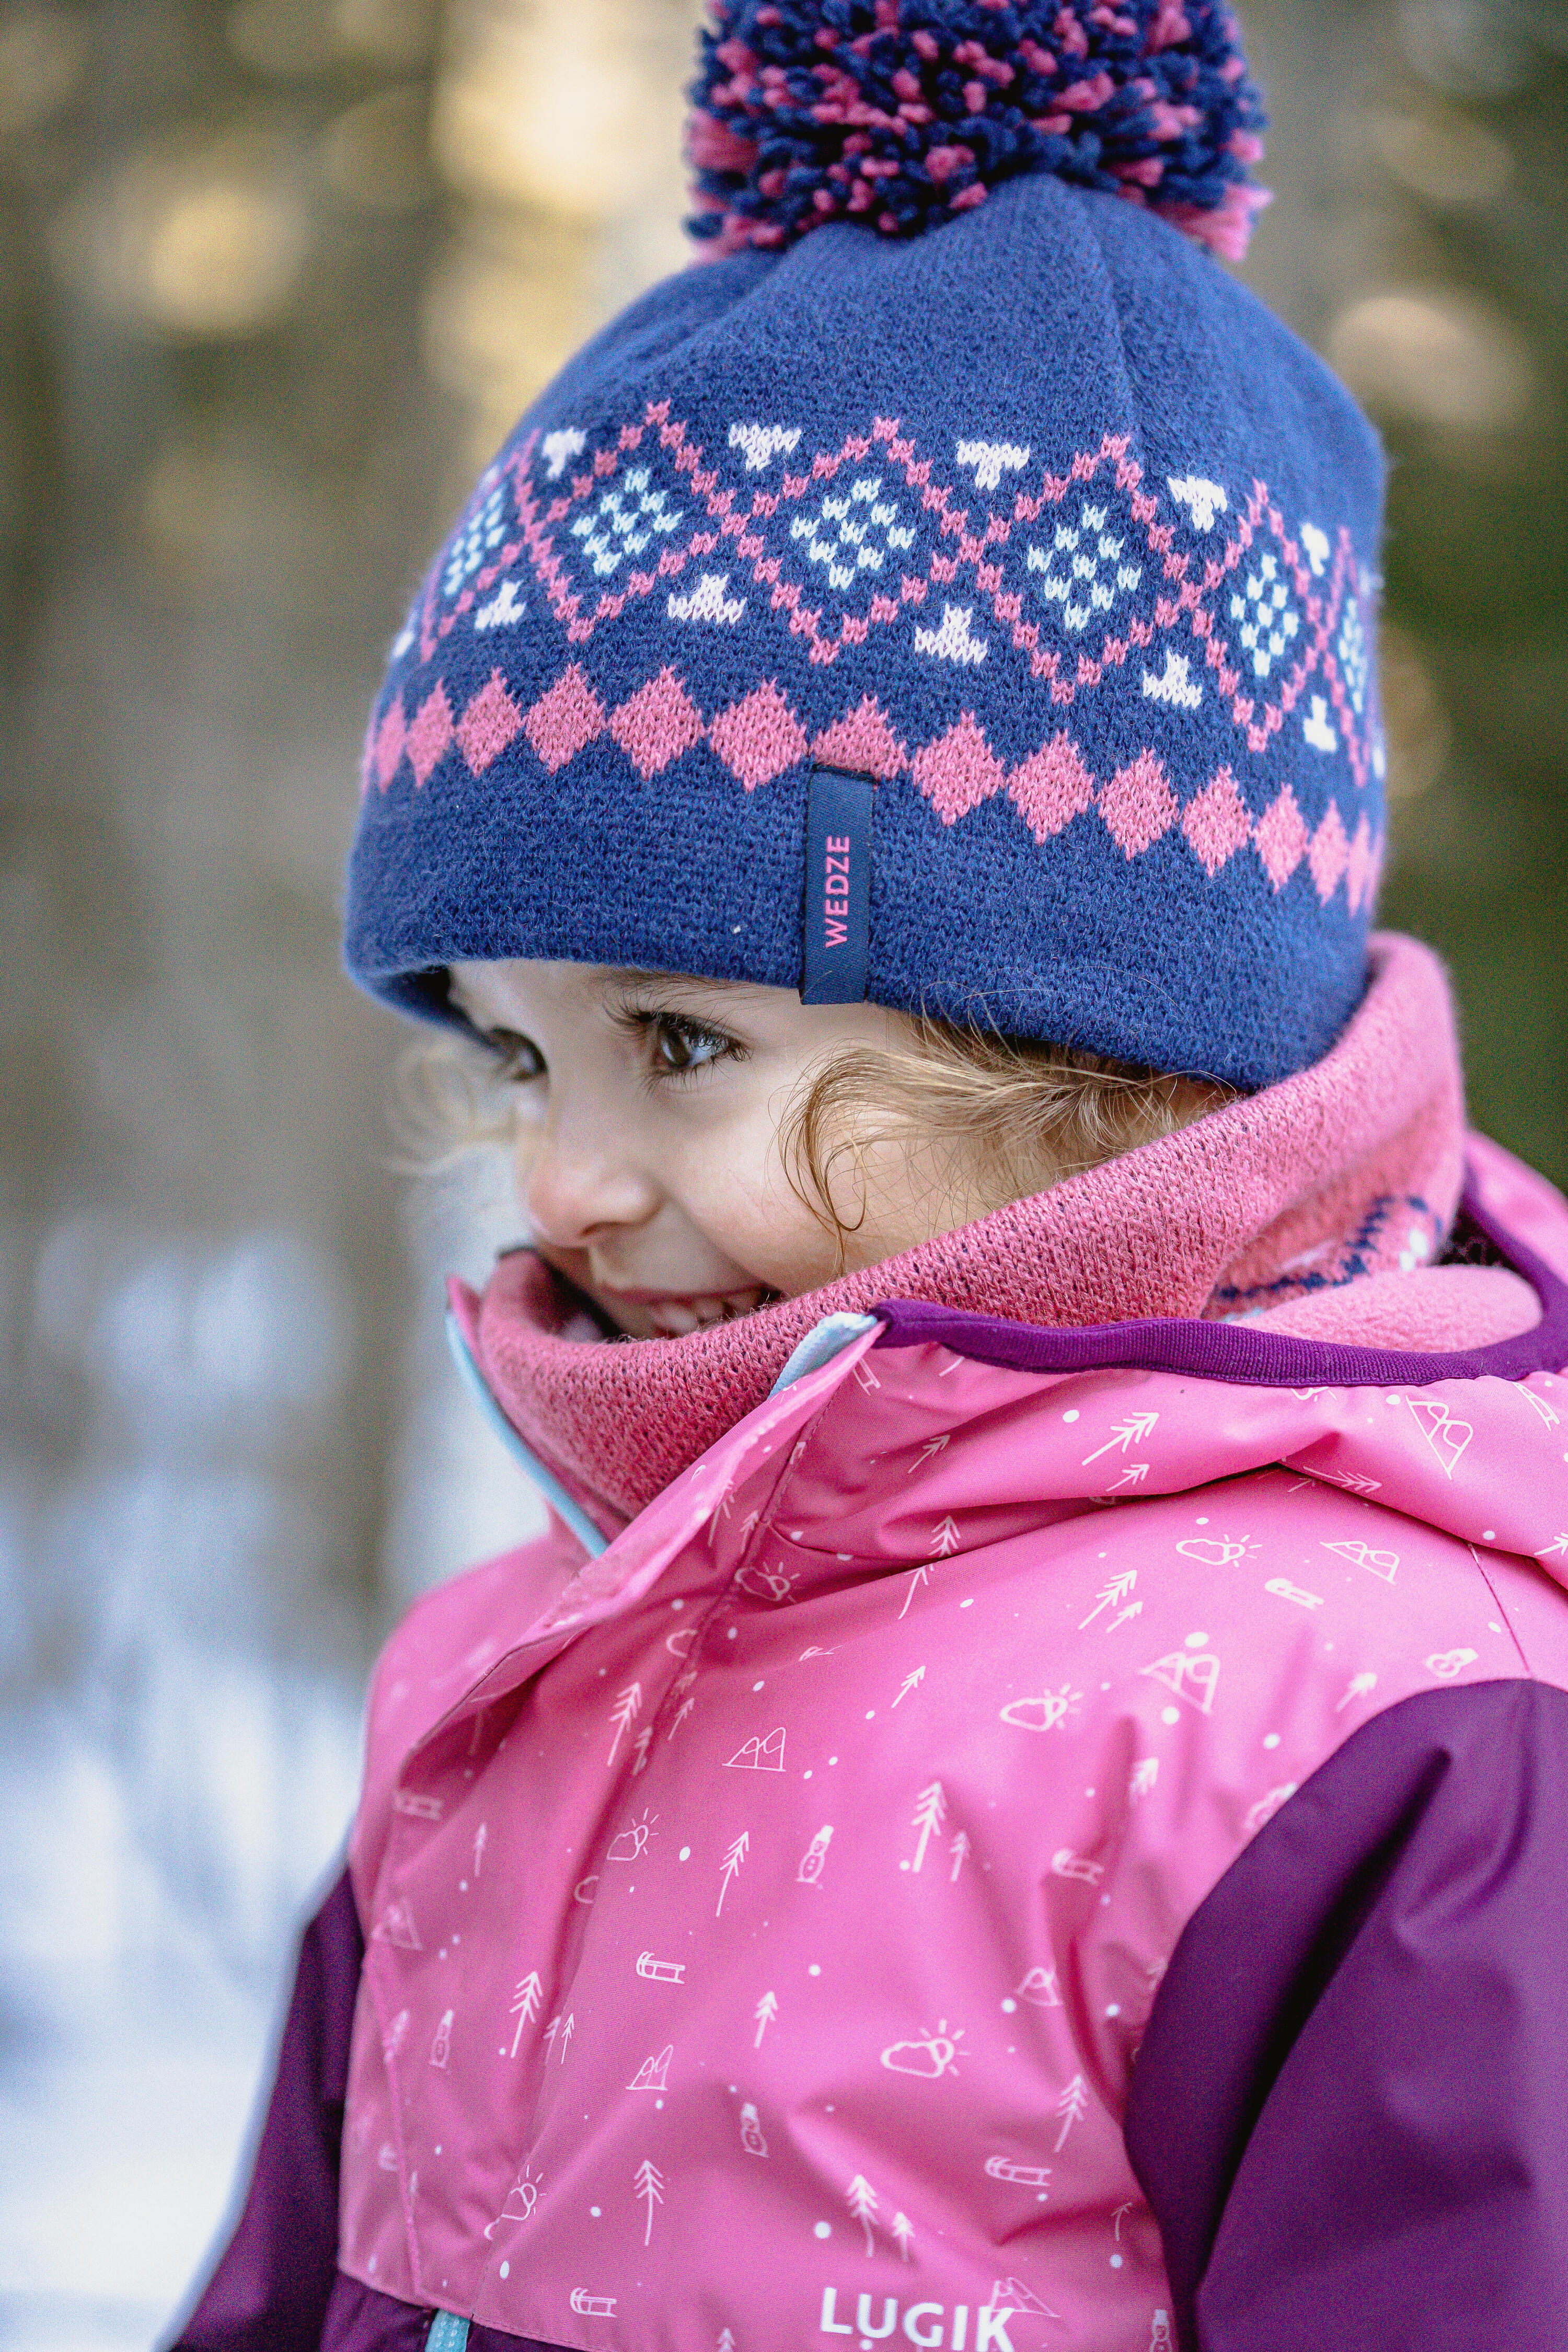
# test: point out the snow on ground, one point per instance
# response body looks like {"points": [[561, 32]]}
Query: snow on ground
{"points": [[132, 2043]]}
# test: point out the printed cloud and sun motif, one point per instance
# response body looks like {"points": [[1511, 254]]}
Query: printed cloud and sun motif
{"points": [[962, 562]]}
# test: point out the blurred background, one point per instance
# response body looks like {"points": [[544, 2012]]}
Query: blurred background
{"points": [[275, 277]]}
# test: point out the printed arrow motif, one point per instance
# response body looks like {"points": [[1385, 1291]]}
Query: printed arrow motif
{"points": [[1131, 1432]]}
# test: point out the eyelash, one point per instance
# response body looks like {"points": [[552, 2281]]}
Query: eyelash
{"points": [[647, 1023], [510, 1047], [643, 1021]]}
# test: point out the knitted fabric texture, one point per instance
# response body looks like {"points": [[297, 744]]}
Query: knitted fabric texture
{"points": [[1290, 1199], [898, 113], [1037, 521]]}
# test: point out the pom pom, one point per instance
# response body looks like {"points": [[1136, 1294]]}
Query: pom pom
{"points": [[897, 113]]}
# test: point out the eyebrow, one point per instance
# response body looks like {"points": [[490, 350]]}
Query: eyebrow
{"points": [[667, 982], [628, 975]]}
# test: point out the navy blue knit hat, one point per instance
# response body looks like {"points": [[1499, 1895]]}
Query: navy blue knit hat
{"points": [[959, 594]]}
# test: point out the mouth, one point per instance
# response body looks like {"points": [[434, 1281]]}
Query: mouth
{"points": [[671, 1314]]}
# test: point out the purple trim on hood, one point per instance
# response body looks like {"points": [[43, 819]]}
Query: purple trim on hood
{"points": [[1350, 2109], [1239, 1352]]}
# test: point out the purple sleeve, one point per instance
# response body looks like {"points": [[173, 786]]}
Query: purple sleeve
{"points": [[1350, 2112], [269, 2291]]}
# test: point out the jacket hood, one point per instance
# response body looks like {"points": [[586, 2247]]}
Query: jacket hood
{"points": [[918, 1433]]}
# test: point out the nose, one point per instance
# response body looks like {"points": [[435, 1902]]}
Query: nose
{"points": [[574, 1180]]}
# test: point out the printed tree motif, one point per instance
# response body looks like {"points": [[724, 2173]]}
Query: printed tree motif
{"points": [[931, 1811], [903, 2231], [1133, 1475], [928, 1453], [569, 2027], [766, 2010], [910, 1683], [959, 1850], [1072, 2107], [735, 1855], [944, 1542], [726, 2340], [525, 2004], [624, 1714], [650, 2187], [863, 2205], [641, 1744], [481, 1839]]}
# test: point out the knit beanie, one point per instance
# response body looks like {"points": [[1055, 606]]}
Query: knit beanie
{"points": [[956, 591]]}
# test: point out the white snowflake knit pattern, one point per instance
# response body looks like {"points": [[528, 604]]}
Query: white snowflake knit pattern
{"points": [[853, 531], [623, 521], [475, 541], [1269, 621], [1083, 567]]}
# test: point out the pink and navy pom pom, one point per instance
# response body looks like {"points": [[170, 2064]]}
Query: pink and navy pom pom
{"points": [[901, 112]]}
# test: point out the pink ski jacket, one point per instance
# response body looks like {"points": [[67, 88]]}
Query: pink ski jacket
{"points": [[1031, 1832]]}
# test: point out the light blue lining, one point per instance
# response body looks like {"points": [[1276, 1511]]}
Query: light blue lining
{"points": [[447, 2333], [821, 1344], [549, 1486]]}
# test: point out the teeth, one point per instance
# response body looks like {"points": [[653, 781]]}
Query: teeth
{"points": [[672, 1317], [676, 1316]]}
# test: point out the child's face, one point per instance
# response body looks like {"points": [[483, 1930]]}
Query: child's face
{"points": [[648, 1117]]}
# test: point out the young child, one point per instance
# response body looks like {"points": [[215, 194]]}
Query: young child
{"points": [[1023, 1800]]}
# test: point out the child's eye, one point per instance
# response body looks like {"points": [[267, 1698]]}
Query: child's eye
{"points": [[518, 1057], [677, 1046]]}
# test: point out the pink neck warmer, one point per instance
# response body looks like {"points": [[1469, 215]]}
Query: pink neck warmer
{"points": [[1287, 1205]]}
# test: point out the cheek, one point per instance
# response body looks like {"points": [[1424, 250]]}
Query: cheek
{"points": [[732, 1189]]}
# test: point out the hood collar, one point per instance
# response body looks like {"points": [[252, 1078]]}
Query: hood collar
{"points": [[1351, 1168]]}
